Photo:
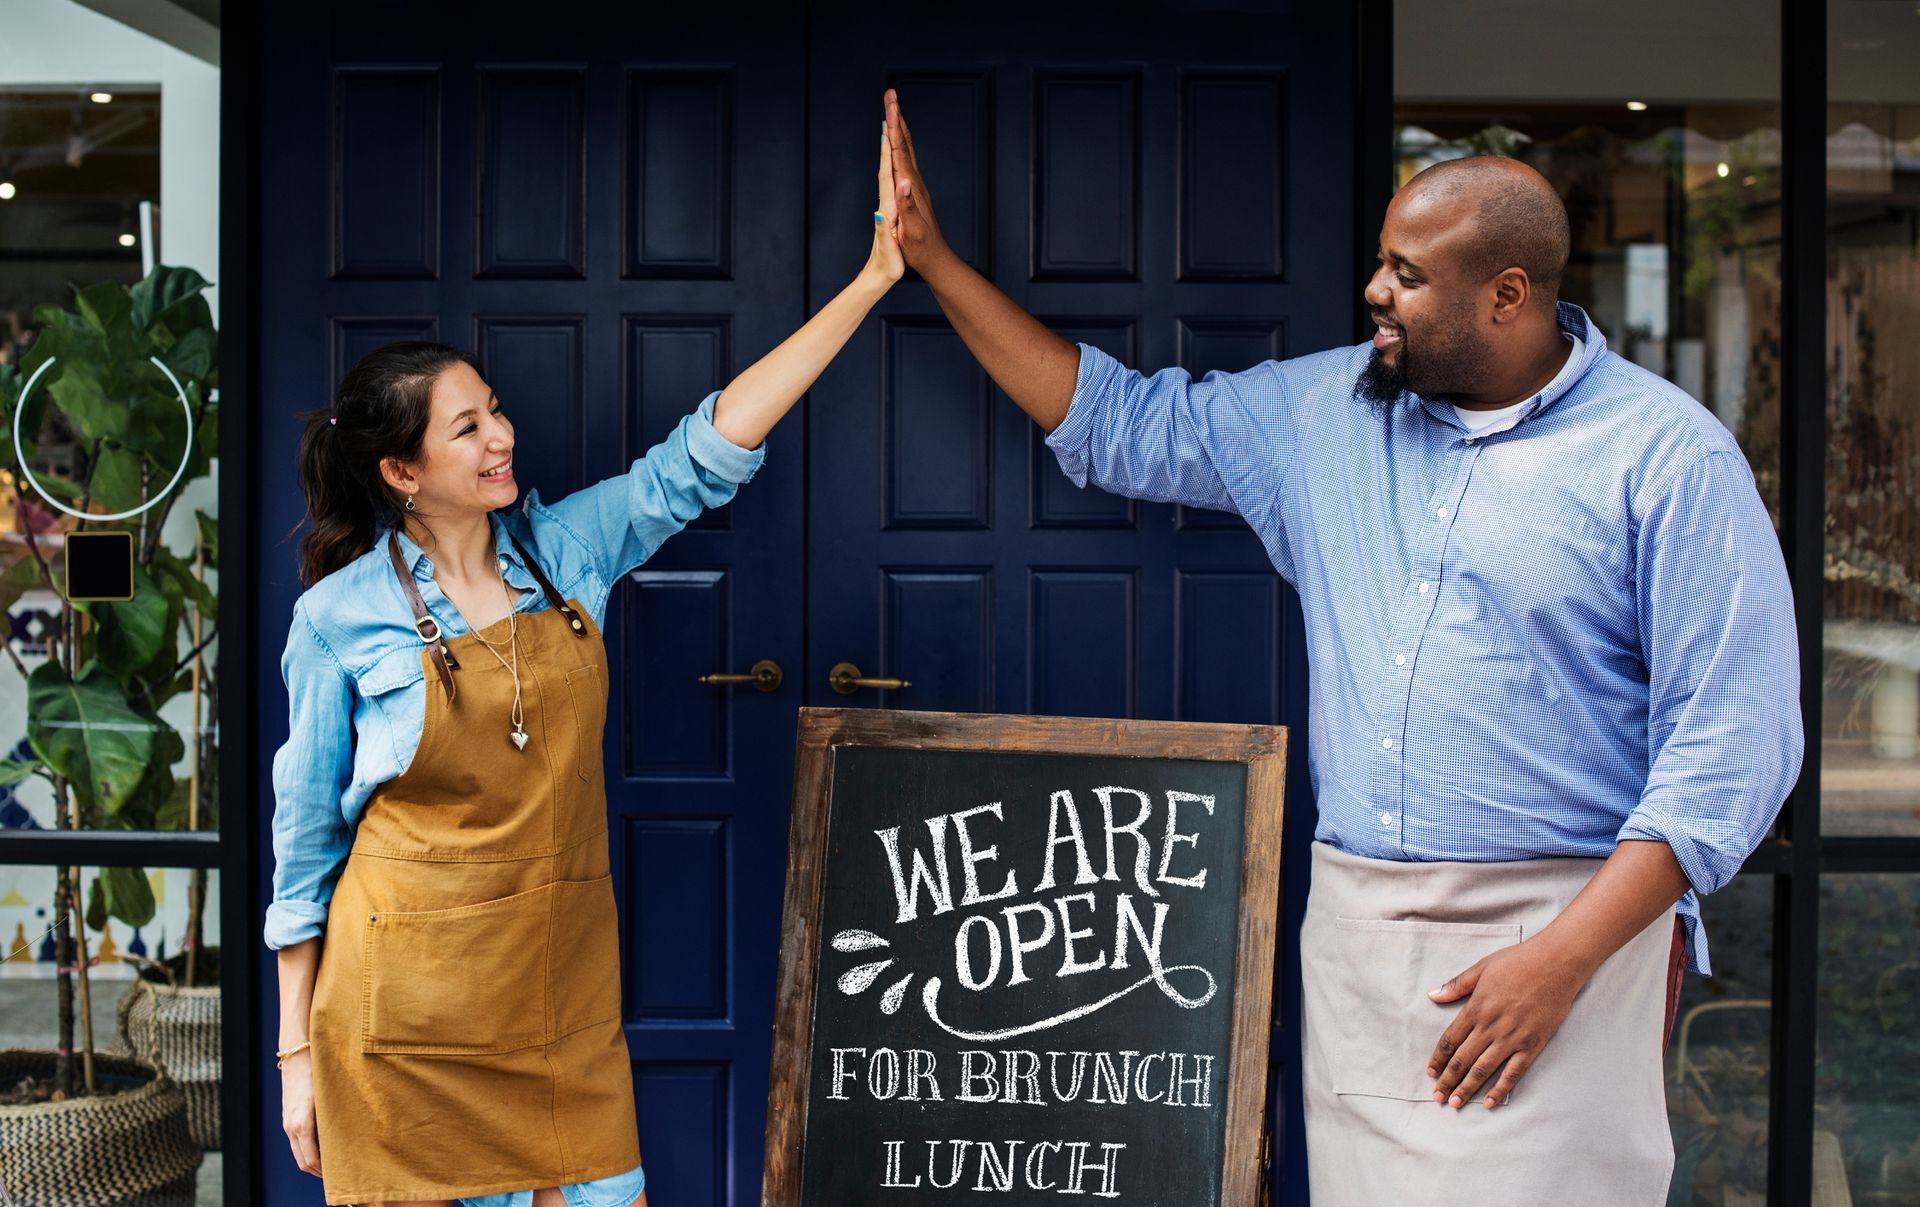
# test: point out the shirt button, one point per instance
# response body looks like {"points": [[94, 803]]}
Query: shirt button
{"points": [[1399, 659], [1386, 819], [1442, 513], [1469, 439], [1386, 743], [1423, 588]]}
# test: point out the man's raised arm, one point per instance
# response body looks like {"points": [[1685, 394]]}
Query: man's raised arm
{"points": [[1034, 366]]}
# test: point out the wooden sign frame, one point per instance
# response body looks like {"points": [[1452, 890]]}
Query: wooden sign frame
{"points": [[1263, 749]]}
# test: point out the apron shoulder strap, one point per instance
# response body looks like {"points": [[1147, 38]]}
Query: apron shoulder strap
{"points": [[423, 622], [560, 605]]}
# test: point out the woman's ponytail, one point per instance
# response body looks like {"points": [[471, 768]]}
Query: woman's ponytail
{"points": [[379, 411]]}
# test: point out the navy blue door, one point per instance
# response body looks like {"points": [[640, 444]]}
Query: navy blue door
{"points": [[617, 207], [1172, 184], [605, 204]]}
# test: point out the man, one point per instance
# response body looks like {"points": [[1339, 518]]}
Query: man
{"points": [[1554, 680]]}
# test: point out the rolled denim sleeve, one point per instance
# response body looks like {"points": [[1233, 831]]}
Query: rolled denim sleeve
{"points": [[1173, 439], [624, 520], [1717, 635], [311, 837]]}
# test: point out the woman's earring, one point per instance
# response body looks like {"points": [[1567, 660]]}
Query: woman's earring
{"points": [[409, 502]]}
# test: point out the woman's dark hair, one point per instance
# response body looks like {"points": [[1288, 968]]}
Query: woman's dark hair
{"points": [[379, 411]]}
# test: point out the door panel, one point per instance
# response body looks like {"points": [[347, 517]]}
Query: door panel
{"points": [[605, 206], [1174, 189]]}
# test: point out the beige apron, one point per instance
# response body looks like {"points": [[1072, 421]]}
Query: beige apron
{"points": [[466, 1023], [1588, 1122]]}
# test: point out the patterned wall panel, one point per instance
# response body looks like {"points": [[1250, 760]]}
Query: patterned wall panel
{"points": [[386, 172], [1086, 177], [1233, 157], [937, 632], [679, 175], [1227, 659], [678, 627], [1228, 345], [953, 139], [686, 1133], [1056, 502], [677, 919], [672, 362], [530, 174], [1080, 647], [353, 338], [533, 365], [936, 428]]}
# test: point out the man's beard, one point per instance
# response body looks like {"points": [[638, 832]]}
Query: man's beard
{"points": [[1453, 356], [1382, 382]]}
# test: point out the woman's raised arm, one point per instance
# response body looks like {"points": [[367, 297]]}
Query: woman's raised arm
{"points": [[754, 401]]}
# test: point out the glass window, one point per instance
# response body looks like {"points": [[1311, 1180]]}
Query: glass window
{"points": [[1669, 166], [1719, 1057], [1866, 1138], [1870, 760], [142, 1006]]}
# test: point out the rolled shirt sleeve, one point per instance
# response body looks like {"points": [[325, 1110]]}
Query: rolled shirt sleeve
{"points": [[1172, 439], [623, 520], [311, 770], [1717, 635]]}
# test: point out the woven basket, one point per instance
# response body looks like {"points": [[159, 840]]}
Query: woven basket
{"points": [[125, 1149], [178, 1029]]}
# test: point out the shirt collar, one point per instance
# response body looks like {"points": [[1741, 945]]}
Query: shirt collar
{"points": [[1572, 321], [421, 565]]}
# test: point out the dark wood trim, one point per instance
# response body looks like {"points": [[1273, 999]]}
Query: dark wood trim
{"points": [[1803, 444], [114, 848], [822, 730], [243, 875]]}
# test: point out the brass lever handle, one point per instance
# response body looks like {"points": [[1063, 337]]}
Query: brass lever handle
{"points": [[846, 679], [765, 676]]}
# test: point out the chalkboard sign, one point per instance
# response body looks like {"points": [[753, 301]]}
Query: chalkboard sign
{"points": [[1025, 956]]}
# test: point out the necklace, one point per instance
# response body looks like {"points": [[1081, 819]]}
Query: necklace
{"points": [[519, 734]]}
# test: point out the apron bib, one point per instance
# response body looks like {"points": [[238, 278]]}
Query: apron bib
{"points": [[466, 1024], [1587, 1125]]}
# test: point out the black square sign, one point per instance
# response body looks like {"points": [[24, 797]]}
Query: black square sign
{"points": [[99, 566]]}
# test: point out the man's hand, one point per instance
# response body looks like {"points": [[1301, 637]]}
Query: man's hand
{"points": [[1517, 999], [920, 238]]}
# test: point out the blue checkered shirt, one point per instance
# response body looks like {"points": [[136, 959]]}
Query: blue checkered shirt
{"points": [[1569, 630]]}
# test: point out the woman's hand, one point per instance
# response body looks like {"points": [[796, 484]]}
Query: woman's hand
{"points": [[885, 264], [296, 1112]]}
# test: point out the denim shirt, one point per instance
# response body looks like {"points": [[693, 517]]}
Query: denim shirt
{"points": [[356, 691], [1566, 630]]}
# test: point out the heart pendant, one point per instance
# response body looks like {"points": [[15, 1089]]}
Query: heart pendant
{"points": [[519, 739]]}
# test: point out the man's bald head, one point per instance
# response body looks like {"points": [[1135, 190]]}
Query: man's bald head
{"points": [[1514, 219]]}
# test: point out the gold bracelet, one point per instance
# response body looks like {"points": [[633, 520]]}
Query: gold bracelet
{"points": [[280, 1058]]}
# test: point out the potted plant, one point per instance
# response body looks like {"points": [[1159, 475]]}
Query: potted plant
{"points": [[103, 431]]}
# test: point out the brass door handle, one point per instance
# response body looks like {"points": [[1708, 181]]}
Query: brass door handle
{"points": [[765, 676], [846, 679]]}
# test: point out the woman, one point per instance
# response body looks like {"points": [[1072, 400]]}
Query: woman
{"points": [[439, 815]]}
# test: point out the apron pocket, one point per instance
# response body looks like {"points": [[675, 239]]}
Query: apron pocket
{"points": [[454, 981], [1378, 989], [584, 978], [589, 696]]}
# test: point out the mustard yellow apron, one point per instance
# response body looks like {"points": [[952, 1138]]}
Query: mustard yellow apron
{"points": [[466, 1017]]}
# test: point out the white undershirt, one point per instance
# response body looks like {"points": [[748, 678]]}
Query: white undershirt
{"points": [[1478, 421]]}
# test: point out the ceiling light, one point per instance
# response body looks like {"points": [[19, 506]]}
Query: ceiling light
{"points": [[1637, 106], [127, 240], [6, 190], [102, 98], [1722, 170]]}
